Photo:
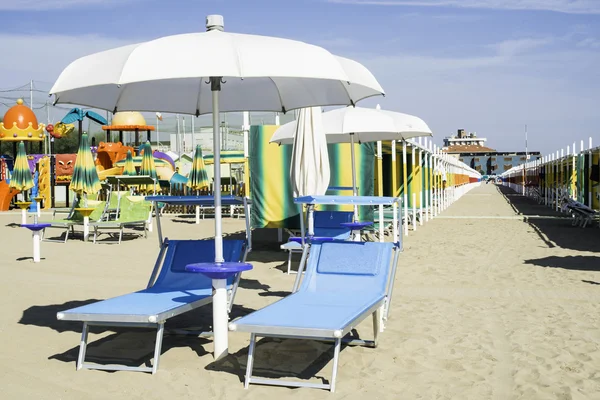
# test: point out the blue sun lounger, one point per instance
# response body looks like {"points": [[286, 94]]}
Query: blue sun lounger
{"points": [[345, 282], [327, 224], [171, 291]]}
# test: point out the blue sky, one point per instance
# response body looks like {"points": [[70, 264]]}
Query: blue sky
{"points": [[489, 66]]}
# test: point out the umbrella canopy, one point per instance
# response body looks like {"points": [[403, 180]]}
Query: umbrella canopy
{"points": [[21, 175], [361, 125], [85, 177], [129, 167], [214, 72], [309, 171], [198, 178], [257, 73]]}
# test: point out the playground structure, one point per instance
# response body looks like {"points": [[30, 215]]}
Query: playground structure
{"points": [[130, 123], [19, 125]]}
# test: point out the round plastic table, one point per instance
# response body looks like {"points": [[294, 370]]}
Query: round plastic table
{"points": [[219, 272], [356, 227]]}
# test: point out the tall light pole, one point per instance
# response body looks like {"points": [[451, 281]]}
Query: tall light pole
{"points": [[526, 160]]}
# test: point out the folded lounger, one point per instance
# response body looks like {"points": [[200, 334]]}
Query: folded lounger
{"points": [[75, 219], [345, 282], [582, 214], [171, 291]]}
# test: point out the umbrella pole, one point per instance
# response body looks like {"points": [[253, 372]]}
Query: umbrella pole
{"points": [[353, 160], [216, 88], [220, 316]]}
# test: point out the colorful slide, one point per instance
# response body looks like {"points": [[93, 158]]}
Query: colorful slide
{"points": [[6, 195]]}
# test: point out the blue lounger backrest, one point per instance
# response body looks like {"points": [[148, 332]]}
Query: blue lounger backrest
{"points": [[183, 252], [327, 223], [349, 267]]}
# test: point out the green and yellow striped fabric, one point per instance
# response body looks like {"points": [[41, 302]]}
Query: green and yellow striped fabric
{"points": [[271, 192], [227, 157], [148, 166], [21, 174], [85, 177], [198, 178], [129, 167]]}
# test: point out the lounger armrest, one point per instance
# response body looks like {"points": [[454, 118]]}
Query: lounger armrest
{"points": [[61, 211]]}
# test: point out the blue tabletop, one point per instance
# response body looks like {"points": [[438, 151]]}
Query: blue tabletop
{"points": [[218, 270], [199, 200], [358, 200], [313, 239], [35, 227], [356, 225]]}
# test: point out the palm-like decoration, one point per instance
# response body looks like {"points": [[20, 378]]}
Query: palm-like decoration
{"points": [[78, 114]]}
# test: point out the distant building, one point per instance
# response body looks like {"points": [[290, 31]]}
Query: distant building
{"points": [[465, 142], [471, 150]]}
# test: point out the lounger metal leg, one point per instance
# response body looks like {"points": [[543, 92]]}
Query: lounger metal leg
{"points": [[120, 234], [95, 233], [82, 346], [336, 356], [390, 291], [377, 325], [234, 288], [300, 268], [158, 346], [250, 361]]}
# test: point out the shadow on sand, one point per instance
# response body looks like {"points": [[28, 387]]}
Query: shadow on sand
{"points": [[553, 227], [127, 346], [578, 263]]}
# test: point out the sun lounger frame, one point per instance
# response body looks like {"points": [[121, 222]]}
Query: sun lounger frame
{"points": [[156, 321], [338, 336]]}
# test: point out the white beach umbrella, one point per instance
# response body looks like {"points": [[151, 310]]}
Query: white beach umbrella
{"points": [[357, 124], [214, 72], [309, 172]]}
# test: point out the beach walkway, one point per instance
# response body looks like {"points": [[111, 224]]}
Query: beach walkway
{"points": [[496, 298]]}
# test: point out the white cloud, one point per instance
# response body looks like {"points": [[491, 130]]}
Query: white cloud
{"points": [[562, 6], [43, 5], [589, 42], [514, 47]]}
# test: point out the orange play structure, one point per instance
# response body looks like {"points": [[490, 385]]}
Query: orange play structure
{"points": [[6, 195], [110, 153]]}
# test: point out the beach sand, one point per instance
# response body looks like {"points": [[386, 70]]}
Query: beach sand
{"points": [[486, 306]]}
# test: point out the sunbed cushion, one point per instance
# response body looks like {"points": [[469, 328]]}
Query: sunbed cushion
{"points": [[354, 281], [138, 306], [309, 311], [348, 261]]}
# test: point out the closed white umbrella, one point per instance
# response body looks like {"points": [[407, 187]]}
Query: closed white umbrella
{"points": [[309, 172], [310, 162], [214, 72], [357, 124]]}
